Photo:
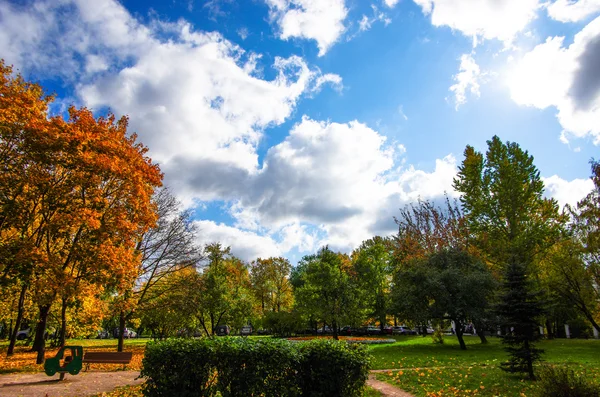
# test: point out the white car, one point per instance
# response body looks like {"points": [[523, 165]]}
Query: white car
{"points": [[23, 334]]}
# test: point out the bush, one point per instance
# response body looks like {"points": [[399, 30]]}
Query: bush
{"points": [[179, 367], [563, 382], [249, 367], [333, 368]]}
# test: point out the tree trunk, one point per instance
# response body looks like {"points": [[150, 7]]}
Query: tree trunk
{"points": [[549, 330], [121, 331], [63, 323], [459, 334], [480, 331], [335, 330], [13, 334], [529, 361], [39, 343]]}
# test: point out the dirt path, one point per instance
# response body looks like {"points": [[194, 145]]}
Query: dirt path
{"points": [[91, 383], [386, 389], [84, 384]]}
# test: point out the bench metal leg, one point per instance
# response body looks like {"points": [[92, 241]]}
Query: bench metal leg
{"points": [[62, 376]]}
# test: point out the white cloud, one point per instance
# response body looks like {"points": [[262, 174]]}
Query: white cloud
{"points": [[391, 3], [487, 19], [567, 192], [244, 244], [243, 33], [573, 10], [364, 24], [329, 78], [567, 78], [319, 20], [467, 80]]}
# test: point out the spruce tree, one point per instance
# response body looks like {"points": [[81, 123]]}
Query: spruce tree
{"points": [[519, 308]]}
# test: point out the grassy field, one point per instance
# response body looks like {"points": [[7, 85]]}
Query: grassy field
{"points": [[418, 366]]}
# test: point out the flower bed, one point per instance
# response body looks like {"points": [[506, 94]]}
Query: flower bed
{"points": [[349, 339]]}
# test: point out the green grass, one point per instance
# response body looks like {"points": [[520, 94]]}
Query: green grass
{"points": [[426, 369]]}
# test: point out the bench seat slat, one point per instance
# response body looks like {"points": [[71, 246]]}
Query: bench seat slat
{"points": [[107, 357]]}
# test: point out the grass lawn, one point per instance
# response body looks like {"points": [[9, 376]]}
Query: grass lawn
{"points": [[426, 369]]}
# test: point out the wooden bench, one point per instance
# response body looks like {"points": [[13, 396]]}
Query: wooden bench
{"points": [[107, 358], [73, 363]]}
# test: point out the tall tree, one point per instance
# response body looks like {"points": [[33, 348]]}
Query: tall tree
{"points": [[502, 197], [76, 197], [519, 308], [371, 265], [270, 282], [513, 225], [222, 292], [586, 231], [167, 247], [324, 287]]}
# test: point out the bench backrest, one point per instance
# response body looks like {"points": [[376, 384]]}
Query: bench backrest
{"points": [[108, 357]]}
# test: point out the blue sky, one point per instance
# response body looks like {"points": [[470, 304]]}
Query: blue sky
{"points": [[290, 124]]}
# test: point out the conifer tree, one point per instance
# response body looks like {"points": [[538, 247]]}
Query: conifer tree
{"points": [[519, 308]]}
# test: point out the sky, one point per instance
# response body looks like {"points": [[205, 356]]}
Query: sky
{"points": [[287, 125]]}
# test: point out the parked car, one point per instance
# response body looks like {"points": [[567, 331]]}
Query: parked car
{"points": [[246, 330], [222, 330], [127, 333], [402, 330], [23, 334], [373, 330], [347, 330], [324, 330], [103, 334], [388, 330]]}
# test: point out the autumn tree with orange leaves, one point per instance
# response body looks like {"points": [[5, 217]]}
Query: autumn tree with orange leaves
{"points": [[75, 198]]}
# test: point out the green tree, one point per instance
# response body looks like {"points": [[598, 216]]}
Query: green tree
{"points": [[448, 285], [519, 308], [323, 287], [270, 282], [586, 230], [371, 265], [222, 292], [502, 197]]}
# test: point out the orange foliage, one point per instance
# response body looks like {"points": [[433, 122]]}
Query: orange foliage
{"points": [[76, 195]]}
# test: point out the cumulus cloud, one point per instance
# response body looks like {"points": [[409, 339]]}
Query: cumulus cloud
{"points": [[319, 20], [339, 178], [467, 80], [567, 78], [486, 19], [573, 10], [244, 244], [391, 3], [567, 192]]}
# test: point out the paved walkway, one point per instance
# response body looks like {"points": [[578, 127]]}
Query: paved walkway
{"points": [[84, 384], [386, 389], [92, 383]]}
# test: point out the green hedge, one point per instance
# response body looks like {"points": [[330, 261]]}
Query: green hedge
{"points": [[250, 367]]}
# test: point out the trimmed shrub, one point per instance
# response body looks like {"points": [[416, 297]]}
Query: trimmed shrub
{"points": [[564, 382], [179, 367], [333, 368], [248, 367]]}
